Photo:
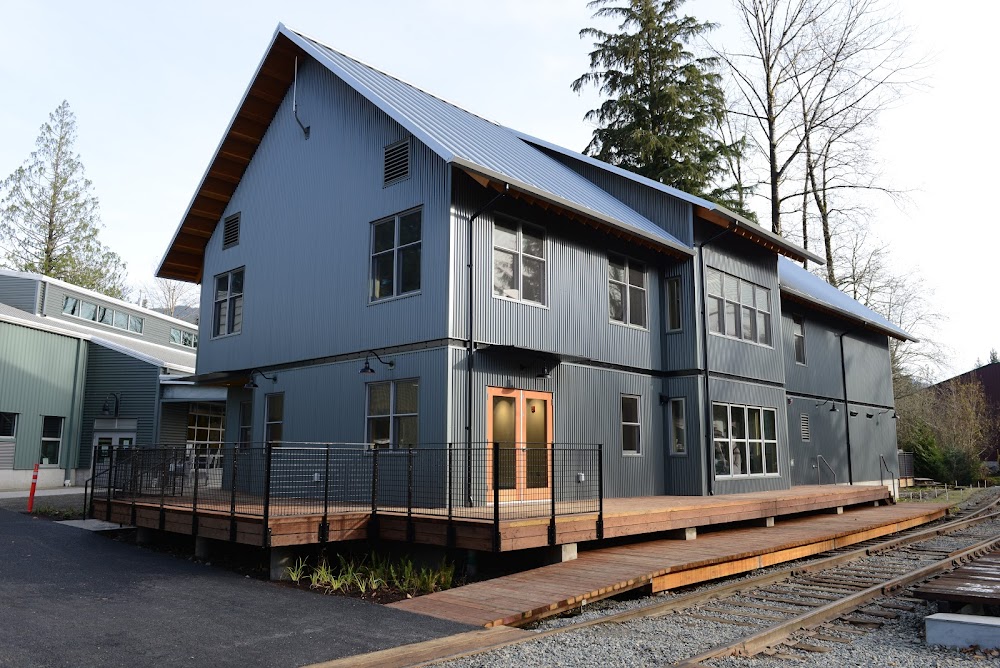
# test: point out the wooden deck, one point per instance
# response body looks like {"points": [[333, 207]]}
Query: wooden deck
{"points": [[977, 583], [622, 517], [662, 564]]}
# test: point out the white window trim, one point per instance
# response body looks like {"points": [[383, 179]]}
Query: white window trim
{"points": [[747, 440], [393, 445], [670, 308], [43, 439], [13, 437], [229, 297], [798, 320], [520, 261], [623, 424], [670, 407], [740, 306], [268, 421], [396, 247], [628, 299], [182, 333]]}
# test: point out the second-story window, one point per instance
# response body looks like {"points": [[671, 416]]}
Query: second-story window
{"points": [[799, 333], [395, 268], [181, 338], [102, 314], [738, 308], [518, 261], [673, 304], [228, 313], [626, 291]]}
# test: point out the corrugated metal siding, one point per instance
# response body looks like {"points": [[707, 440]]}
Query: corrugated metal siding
{"points": [[827, 439], [742, 258], [19, 292], [686, 475], [751, 394], [871, 437], [173, 423], [681, 350], [154, 330], [869, 368], [586, 409], [306, 212], [40, 375], [139, 383], [575, 320], [821, 374]]}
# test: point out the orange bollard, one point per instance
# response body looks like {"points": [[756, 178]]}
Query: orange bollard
{"points": [[31, 494]]}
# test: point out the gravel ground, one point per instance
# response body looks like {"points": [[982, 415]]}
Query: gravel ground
{"points": [[664, 640]]}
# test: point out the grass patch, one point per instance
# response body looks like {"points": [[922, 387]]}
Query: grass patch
{"points": [[373, 576], [57, 514]]}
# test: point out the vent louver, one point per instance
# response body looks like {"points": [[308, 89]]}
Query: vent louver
{"points": [[397, 163], [231, 231], [804, 426]]}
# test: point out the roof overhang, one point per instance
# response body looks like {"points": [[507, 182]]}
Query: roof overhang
{"points": [[572, 210], [185, 255], [749, 230], [823, 307]]}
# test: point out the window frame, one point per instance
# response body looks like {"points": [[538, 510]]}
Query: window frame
{"points": [[13, 420], [396, 250], [674, 451], [520, 254], [744, 443], [76, 311], [799, 334], [627, 286], [180, 338], [244, 435], [719, 326], [230, 301], [674, 304], [393, 444], [51, 439], [269, 422], [637, 424]]}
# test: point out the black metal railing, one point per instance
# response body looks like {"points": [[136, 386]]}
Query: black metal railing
{"points": [[491, 482]]}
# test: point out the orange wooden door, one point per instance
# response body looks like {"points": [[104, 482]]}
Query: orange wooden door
{"points": [[520, 423]]}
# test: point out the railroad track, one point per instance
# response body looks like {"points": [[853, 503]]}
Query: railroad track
{"points": [[807, 607]]}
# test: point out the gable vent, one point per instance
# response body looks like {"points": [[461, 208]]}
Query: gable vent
{"points": [[397, 163], [804, 426], [231, 231]]}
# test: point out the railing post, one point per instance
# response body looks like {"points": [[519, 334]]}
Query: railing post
{"points": [[163, 487], [265, 530], [232, 497], [88, 504], [450, 539], [496, 495], [324, 527], [552, 494], [373, 521], [600, 491], [111, 462], [134, 486], [410, 530], [194, 495]]}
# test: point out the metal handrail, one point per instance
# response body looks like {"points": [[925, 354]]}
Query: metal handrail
{"points": [[819, 475], [895, 479]]}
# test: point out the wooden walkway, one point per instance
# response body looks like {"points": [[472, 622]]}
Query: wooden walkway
{"points": [[622, 517], [977, 583], [662, 564]]}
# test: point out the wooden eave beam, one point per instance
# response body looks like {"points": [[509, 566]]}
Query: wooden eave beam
{"points": [[716, 218]]}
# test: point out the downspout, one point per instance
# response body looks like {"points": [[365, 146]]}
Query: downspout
{"points": [[847, 407], [704, 360], [76, 417], [471, 345]]}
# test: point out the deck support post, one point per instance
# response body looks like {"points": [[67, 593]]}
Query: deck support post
{"points": [[410, 529], [496, 496], [280, 559], [600, 491], [324, 526]]}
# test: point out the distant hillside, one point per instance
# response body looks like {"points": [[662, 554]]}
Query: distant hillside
{"points": [[182, 312]]}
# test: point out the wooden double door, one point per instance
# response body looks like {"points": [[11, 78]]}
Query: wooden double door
{"points": [[519, 422]]}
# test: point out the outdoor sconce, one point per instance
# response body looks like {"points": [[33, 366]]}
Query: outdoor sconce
{"points": [[894, 416], [853, 413], [869, 415], [110, 409], [544, 374], [833, 405], [367, 369], [252, 385]]}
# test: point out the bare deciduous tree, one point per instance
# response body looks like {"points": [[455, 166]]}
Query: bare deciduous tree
{"points": [[167, 295]]}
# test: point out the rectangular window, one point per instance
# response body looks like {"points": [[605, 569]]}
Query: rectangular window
{"points": [[519, 270], [51, 440], [738, 308], [71, 306], [274, 418], [678, 432], [106, 316], [392, 414], [673, 304], [799, 333], [175, 336], [631, 436], [395, 266], [228, 313], [121, 320], [626, 291], [246, 424], [8, 425], [746, 441], [88, 311], [181, 338]]}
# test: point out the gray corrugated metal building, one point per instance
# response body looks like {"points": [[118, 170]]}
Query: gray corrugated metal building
{"points": [[635, 315]]}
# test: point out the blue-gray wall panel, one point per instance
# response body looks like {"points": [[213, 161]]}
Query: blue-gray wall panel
{"points": [[870, 438], [826, 439], [19, 292], [306, 212], [686, 475], [869, 368], [821, 375]]}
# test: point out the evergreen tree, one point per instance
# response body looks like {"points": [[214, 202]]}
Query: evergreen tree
{"points": [[993, 356], [664, 105], [49, 217]]}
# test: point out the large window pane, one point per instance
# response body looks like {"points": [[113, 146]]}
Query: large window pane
{"points": [[88, 311], [677, 423], [763, 299], [236, 286], [630, 409], [505, 235], [769, 430], [384, 236], [71, 306], [756, 458], [770, 457], [764, 328], [221, 317], [505, 274], [630, 438], [407, 396], [713, 279], [616, 302], [739, 428], [616, 269], [409, 228], [222, 286], [8, 425], [720, 420], [732, 288], [722, 458], [379, 397], [407, 431], [739, 458], [105, 316], [637, 306], [731, 319], [749, 324], [409, 269], [636, 274], [533, 281], [236, 321], [533, 242], [382, 276], [753, 420], [395, 266], [121, 320], [715, 315]]}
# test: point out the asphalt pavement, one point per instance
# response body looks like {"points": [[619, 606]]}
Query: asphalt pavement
{"points": [[70, 597]]}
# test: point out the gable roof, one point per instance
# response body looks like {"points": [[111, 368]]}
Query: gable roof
{"points": [[152, 353], [493, 154], [799, 283]]}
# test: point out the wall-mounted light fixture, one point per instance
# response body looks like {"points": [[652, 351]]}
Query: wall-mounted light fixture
{"points": [[544, 373], [367, 368], [833, 405], [869, 415], [252, 385], [112, 409], [853, 413]]}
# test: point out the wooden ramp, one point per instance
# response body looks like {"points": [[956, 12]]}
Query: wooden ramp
{"points": [[977, 583], [662, 564]]}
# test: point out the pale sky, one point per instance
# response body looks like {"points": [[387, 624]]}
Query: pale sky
{"points": [[154, 87]]}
